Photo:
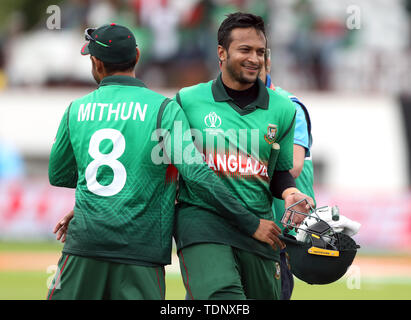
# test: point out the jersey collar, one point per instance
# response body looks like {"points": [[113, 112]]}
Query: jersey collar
{"points": [[121, 80], [220, 95]]}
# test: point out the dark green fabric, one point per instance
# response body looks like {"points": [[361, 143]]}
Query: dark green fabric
{"points": [[63, 170], [197, 225], [122, 80], [80, 278], [214, 271]]}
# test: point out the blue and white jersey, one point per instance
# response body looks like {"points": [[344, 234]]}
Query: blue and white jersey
{"points": [[302, 133]]}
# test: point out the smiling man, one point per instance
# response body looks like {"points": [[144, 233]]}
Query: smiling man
{"points": [[236, 122], [242, 70]]}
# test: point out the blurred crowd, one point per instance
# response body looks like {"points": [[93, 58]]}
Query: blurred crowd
{"points": [[177, 38], [316, 44]]}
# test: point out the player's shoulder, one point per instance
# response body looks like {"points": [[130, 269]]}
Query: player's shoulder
{"points": [[302, 114], [85, 98], [193, 95], [95, 95], [199, 87], [280, 99], [155, 96], [147, 93], [283, 92], [289, 95]]}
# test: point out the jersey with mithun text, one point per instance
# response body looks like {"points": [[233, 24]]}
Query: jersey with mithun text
{"points": [[123, 201]]}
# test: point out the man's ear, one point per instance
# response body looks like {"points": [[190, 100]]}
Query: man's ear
{"points": [[268, 65], [137, 55], [98, 64], [222, 53]]}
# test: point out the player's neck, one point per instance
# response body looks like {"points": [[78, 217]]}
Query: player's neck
{"points": [[234, 84], [122, 73]]}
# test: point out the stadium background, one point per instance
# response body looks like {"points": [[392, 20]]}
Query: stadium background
{"points": [[348, 60]]}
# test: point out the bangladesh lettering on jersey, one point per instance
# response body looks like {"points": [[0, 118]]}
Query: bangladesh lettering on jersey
{"points": [[236, 165], [236, 143]]}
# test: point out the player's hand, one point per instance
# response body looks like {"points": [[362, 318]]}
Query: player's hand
{"points": [[268, 232], [303, 206], [61, 227]]}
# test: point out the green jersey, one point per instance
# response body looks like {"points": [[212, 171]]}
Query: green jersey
{"points": [[236, 143], [107, 147]]}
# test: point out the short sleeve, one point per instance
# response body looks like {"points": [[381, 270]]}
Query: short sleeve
{"points": [[301, 129]]}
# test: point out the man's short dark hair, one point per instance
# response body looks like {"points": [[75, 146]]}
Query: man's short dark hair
{"points": [[238, 20], [119, 67]]}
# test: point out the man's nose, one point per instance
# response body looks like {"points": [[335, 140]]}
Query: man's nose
{"points": [[253, 58]]}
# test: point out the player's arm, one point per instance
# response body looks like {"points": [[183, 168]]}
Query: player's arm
{"points": [[301, 141], [283, 187], [62, 163], [298, 161], [204, 183]]}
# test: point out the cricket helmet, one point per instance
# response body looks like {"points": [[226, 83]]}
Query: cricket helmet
{"points": [[323, 256]]}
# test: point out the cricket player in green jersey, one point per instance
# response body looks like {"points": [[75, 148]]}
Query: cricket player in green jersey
{"points": [[115, 146], [245, 132], [302, 169]]}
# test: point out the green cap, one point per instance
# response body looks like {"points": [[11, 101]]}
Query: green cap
{"points": [[110, 43]]}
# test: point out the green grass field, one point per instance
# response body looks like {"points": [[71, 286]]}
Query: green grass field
{"points": [[32, 285]]}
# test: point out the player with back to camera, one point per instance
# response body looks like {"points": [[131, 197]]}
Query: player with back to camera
{"points": [[302, 169], [120, 232], [240, 121]]}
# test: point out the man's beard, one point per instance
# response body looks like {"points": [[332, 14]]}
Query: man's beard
{"points": [[239, 76]]}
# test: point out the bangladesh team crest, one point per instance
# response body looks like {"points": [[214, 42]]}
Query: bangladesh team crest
{"points": [[271, 135]]}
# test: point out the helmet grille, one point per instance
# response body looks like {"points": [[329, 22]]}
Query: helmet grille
{"points": [[346, 243]]}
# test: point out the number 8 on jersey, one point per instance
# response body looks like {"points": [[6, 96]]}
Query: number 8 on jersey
{"points": [[109, 159]]}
